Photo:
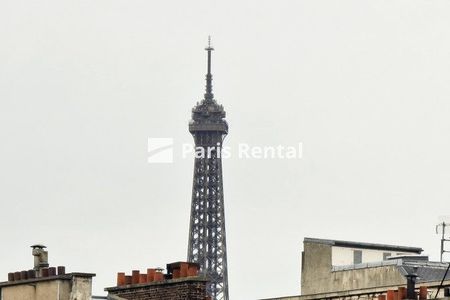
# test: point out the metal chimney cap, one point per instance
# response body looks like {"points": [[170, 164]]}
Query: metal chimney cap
{"points": [[39, 246]]}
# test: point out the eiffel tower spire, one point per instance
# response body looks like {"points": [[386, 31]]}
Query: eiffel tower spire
{"points": [[209, 95]]}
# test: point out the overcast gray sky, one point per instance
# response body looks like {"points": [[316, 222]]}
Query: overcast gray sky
{"points": [[364, 85]]}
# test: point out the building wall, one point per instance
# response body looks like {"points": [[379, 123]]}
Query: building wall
{"points": [[318, 276], [364, 278], [316, 268], [74, 288], [81, 288], [342, 256], [47, 290]]}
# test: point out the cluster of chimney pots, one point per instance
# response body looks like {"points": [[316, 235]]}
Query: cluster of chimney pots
{"points": [[402, 293], [179, 270], [41, 267]]}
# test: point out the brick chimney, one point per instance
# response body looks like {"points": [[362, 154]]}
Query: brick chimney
{"points": [[182, 281]]}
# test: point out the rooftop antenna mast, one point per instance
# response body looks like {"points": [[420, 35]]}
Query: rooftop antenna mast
{"points": [[444, 226]]}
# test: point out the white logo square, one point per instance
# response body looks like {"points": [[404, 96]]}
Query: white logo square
{"points": [[160, 150]]}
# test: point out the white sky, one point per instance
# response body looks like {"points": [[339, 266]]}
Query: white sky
{"points": [[83, 84]]}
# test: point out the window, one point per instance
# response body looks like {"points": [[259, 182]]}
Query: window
{"points": [[357, 257], [386, 255]]}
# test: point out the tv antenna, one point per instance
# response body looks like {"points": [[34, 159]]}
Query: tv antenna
{"points": [[444, 225]]}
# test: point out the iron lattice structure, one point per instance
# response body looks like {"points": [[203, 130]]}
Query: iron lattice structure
{"points": [[207, 241]]}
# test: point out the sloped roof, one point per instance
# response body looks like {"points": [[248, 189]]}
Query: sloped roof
{"points": [[426, 270]]}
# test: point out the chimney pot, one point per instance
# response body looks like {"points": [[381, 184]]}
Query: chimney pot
{"points": [[23, 275], [184, 269], [120, 279], [401, 293], [390, 295], [423, 293], [40, 257], [411, 286], [127, 279], [151, 275], [31, 274], [16, 276], [135, 277], [176, 273], [142, 278], [159, 276], [52, 271], [10, 276], [44, 272], [193, 270], [61, 270]]}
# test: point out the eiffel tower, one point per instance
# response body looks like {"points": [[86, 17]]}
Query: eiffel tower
{"points": [[207, 242]]}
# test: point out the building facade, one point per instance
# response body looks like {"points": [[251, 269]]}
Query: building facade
{"points": [[46, 283], [334, 269], [325, 264]]}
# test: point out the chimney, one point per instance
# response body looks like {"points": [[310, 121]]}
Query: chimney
{"points": [[120, 279], [411, 285], [390, 295], [61, 270], [40, 258], [423, 293], [402, 293]]}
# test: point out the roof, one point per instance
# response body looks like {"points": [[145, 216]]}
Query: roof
{"points": [[426, 270], [158, 283], [362, 245], [67, 276]]}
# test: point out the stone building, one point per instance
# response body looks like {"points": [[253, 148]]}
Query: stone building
{"points": [[181, 282], [333, 269], [46, 283], [331, 265]]}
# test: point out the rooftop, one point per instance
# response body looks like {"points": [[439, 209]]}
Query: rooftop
{"points": [[68, 276], [361, 245], [176, 272]]}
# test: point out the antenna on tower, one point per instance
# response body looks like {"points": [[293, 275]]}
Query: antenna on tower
{"points": [[443, 227], [209, 94]]}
